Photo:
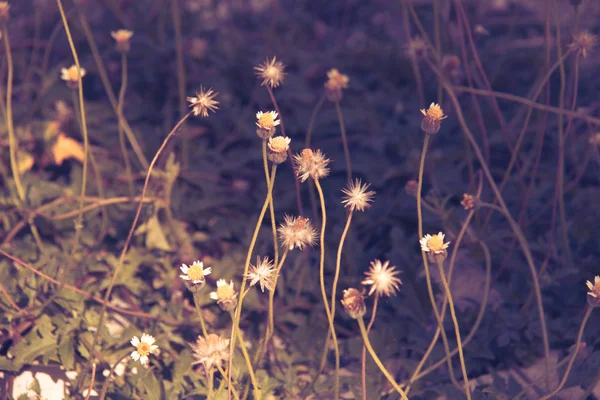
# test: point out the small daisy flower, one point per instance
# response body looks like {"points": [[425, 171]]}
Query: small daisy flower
{"points": [[593, 296], [195, 274], [435, 247], [469, 201], [225, 295], [143, 348], [311, 164], [583, 43], [357, 196], [210, 351], [297, 232], [204, 102], [382, 278], [263, 273], [271, 72], [122, 38], [70, 76], [278, 149], [354, 303], [266, 123], [432, 118], [335, 83]]}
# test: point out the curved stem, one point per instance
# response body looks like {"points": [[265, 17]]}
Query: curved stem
{"points": [[271, 323], [363, 357], [199, 311], [242, 345], [385, 372], [324, 293], [271, 205], [211, 378], [338, 262], [313, 119]]}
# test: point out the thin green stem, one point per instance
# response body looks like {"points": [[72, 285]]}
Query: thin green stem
{"points": [[110, 373], [176, 15], [242, 345], [271, 205], [199, 311], [385, 372], [586, 317], [271, 323], [120, 104], [324, 293], [340, 117], [338, 262], [363, 357], [313, 119], [211, 377], [463, 367]]}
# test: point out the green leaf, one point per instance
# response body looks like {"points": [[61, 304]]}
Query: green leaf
{"points": [[66, 352]]}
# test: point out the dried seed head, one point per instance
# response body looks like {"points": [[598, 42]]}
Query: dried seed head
{"points": [[357, 196], [335, 83], [271, 72], [354, 303], [266, 123], [411, 187], [71, 76], [225, 295], [296, 232], [210, 351], [469, 201], [583, 43], [263, 273], [593, 296], [382, 279], [278, 148], [204, 102], [311, 164], [432, 118], [122, 38], [416, 48], [435, 247]]}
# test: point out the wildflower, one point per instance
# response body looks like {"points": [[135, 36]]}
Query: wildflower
{"points": [[357, 197], [583, 43], [297, 232], [203, 102], [225, 295], [278, 148], [469, 201], [432, 118], [210, 351], [143, 348], [594, 293], [71, 77], [416, 48], [271, 72], [383, 280], [266, 123], [335, 83], [195, 275], [435, 247], [4, 9], [122, 37], [263, 273], [354, 303], [313, 164]]}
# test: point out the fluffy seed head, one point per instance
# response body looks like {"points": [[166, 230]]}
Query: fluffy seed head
{"points": [[297, 232], [432, 118], [382, 278], [583, 43], [354, 303], [357, 195], [271, 72], [266, 123], [593, 296], [203, 102], [263, 273], [278, 148], [210, 351], [122, 37], [311, 164]]}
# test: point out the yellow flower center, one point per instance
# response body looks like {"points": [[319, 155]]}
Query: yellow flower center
{"points": [[435, 244], [143, 349], [435, 112], [278, 144], [266, 121], [196, 273], [225, 292]]}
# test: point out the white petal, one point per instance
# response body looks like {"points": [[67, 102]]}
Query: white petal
{"points": [[144, 360], [153, 348], [148, 338], [135, 355], [207, 271], [184, 268], [214, 296], [589, 285], [184, 277], [597, 279], [135, 341]]}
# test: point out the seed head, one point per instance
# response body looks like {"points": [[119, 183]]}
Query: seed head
{"points": [[435, 247], [210, 351], [469, 201], [593, 296], [354, 303], [203, 102], [335, 83], [583, 43], [266, 123], [70, 76], [278, 148], [382, 278], [122, 37], [271, 72], [263, 273], [357, 196], [297, 232], [311, 164], [416, 48], [143, 348], [225, 295], [432, 118]]}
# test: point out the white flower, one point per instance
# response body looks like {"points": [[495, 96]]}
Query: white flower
{"points": [[196, 273], [144, 347], [204, 102], [357, 196], [225, 295], [434, 244]]}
